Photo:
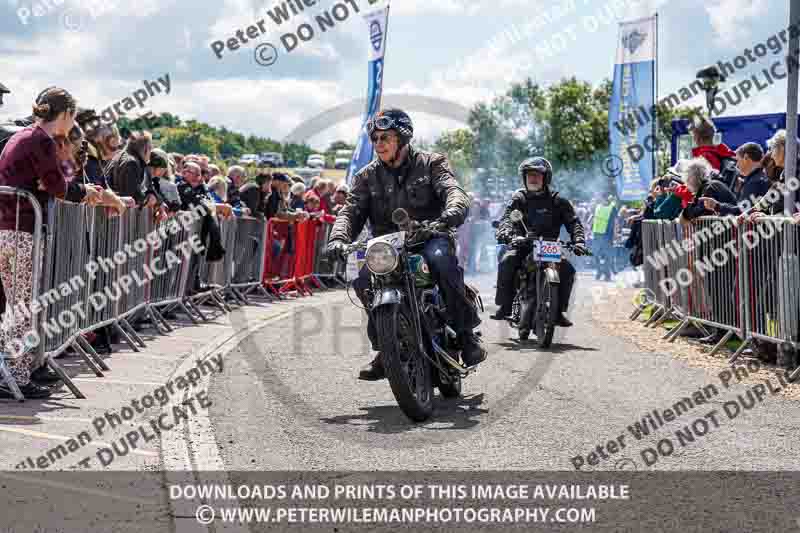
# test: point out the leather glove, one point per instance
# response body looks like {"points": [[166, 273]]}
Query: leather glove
{"points": [[518, 242], [336, 250], [580, 248], [447, 220]]}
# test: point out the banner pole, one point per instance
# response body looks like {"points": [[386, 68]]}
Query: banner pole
{"points": [[655, 107]]}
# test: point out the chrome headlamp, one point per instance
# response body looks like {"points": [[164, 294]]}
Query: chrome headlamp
{"points": [[382, 258]]}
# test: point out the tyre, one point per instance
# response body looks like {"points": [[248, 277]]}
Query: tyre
{"points": [[409, 372], [547, 315]]}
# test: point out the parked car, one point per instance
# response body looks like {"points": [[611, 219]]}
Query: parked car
{"points": [[291, 163], [271, 159], [307, 173], [341, 163], [248, 159], [316, 161]]}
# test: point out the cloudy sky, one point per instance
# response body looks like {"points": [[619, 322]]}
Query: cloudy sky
{"points": [[463, 51]]}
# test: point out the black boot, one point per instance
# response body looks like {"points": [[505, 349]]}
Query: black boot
{"points": [[472, 350], [563, 321], [374, 371], [503, 313]]}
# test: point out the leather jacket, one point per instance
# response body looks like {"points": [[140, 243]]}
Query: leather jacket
{"points": [[424, 186], [544, 215]]}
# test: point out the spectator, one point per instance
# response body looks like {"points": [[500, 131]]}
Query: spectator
{"points": [[193, 194], [298, 190], [298, 179], [700, 183], [163, 190], [203, 161], [720, 157], [754, 185], [340, 198], [603, 237], [324, 191], [278, 201], [218, 189], [29, 161], [678, 173], [104, 143], [213, 172], [312, 203], [236, 178], [255, 195], [772, 203], [667, 204], [127, 170], [178, 159]]}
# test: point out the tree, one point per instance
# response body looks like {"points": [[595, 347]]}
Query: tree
{"points": [[341, 145], [459, 147]]}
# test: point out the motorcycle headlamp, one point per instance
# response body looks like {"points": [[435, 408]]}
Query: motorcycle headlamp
{"points": [[382, 258]]}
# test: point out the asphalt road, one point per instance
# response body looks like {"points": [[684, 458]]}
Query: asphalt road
{"points": [[289, 399]]}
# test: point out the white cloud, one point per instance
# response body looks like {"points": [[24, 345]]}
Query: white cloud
{"points": [[728, 17]]}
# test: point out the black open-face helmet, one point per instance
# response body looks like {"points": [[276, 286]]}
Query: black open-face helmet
{"points": [[392, 119], [536, 163]]}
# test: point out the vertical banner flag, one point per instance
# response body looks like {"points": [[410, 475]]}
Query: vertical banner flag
{"points": [[631, 117], [377, 22]]}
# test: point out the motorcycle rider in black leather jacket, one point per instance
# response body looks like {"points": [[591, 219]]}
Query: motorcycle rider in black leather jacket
{"points": [[545, 212], [423, 184]]}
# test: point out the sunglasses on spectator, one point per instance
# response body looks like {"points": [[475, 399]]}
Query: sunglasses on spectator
{"points": [[383, 138]]}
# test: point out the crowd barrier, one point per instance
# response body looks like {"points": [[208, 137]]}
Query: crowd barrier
{"points": [[743, 279], [92, 271]]}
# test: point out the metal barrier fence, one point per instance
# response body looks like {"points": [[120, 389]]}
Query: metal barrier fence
{"points": [[101, 271], [742, 279]]}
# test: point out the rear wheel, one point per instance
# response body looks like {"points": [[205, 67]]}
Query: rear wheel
{"points": [[547, 314], [409, 372]]}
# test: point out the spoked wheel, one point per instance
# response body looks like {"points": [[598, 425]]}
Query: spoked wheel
{"points": [[409, 372], [547, 314]]}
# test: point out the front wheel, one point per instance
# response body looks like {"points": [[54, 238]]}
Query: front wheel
{"points": [[547, 314], [409, 372]]}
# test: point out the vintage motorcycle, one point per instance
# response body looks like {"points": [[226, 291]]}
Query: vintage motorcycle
{"points": [[419, 348], [536, 306]]}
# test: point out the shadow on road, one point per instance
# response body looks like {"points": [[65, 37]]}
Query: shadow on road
{"points": [[448, 414], [530, 346]]}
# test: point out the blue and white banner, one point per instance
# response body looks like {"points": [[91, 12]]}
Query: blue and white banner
{"points": [[633, 92], [377, 22]]}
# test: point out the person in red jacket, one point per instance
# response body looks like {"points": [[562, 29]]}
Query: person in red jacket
{"points": [[703, 135], [720, 156]]}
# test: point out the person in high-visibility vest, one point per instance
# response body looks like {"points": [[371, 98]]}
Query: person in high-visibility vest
{"points": [[605, 216]]}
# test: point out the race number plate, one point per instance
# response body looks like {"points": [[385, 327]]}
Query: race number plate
{"points": [[547, 251]]}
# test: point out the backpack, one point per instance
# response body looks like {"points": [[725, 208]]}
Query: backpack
{"points": [[728, 172]]}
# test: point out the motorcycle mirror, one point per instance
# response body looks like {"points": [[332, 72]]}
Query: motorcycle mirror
{"points": [[516, 216], [400, 217]]}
